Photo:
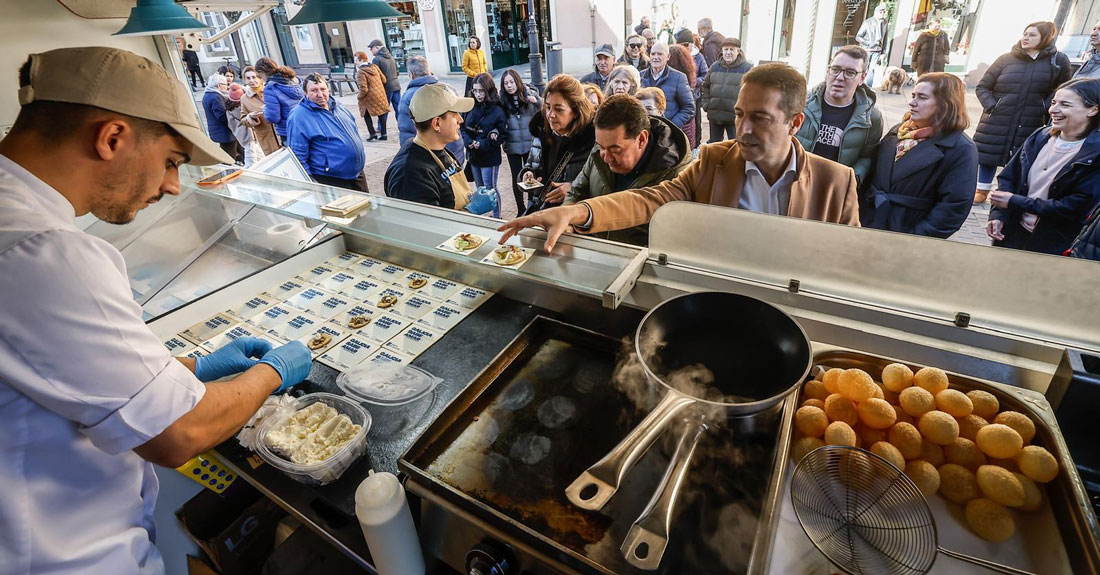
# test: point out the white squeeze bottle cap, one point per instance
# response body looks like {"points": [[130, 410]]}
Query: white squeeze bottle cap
{"points": [[387, 525]]}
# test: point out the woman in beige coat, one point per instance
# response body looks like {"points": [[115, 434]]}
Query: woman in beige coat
{"points": [[253, 112], [373, 100]]}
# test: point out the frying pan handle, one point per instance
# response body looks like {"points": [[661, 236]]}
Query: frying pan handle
{"points": [[595, 487], [645, 543]]}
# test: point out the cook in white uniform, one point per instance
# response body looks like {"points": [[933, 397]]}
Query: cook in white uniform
{"points": [[88, 395]]}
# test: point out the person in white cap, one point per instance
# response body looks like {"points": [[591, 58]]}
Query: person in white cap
{"points": [[89, 397]]}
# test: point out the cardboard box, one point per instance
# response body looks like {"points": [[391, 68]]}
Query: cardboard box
{"points": [[237, 531]]}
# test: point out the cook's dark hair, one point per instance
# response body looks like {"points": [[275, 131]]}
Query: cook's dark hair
{"points": [[268, 68], [623, 110], [790, 83], [1088, 89], [316, 79], [950, 94], [1047, 32], [485, 82], [853, 51]]}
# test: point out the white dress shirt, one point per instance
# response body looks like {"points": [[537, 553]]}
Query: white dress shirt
{"points": [[758, 196], [82, 383]]}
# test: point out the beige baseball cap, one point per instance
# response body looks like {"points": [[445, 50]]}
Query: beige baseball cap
{"points": [[435, 100], [122, 82]]}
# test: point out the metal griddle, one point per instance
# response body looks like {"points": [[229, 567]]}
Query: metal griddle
{"points": [[476, 460]]}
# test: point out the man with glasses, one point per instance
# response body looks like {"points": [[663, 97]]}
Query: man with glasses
{"points": [[842, 122], [633, 53], [323, 134]]}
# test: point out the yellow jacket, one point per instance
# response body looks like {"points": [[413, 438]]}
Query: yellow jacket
{"points": [[473, 62]]}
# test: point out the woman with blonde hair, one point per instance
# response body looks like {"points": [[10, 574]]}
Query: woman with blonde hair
{"points": [[473, 62], [594, 95], [564, 136], [653, 99], [623, 79]]}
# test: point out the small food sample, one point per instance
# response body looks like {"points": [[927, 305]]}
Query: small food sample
{"points": [[388, 300], [856, 385], [954, 402], [467, 242], [840, 433], [938, 427], [999, 441], [312, 434], [876, 413], [916, 401], [1035, 462], [831, 378], [508, 255], [933, 379], [957, 483], [964, 452], [318, 341], [896, 377], [803, 446], [969, 426], [814, 389], [1018, 421], [985, 403], [1033, 496], [989, 520], [813, 403], [1000, 485], [925, 475], [811, 421], [417, 283], [358, 321], [889, 453], [932, 453], [907, 439], [840, 408]]}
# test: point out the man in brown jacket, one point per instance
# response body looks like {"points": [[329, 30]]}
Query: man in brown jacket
{"points": [[765, 170]]}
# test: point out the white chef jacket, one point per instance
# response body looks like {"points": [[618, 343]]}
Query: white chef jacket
{"points": [[82, 383]]}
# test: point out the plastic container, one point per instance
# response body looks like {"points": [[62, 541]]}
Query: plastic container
{"points": [[384, 516], [330, 469], [387, 384]]}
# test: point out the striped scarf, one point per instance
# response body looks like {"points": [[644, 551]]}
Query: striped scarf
{"points": [[909, 135]]}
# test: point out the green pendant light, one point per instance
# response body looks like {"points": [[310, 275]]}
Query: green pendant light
{"points": [[152, 17], [316, 11]]}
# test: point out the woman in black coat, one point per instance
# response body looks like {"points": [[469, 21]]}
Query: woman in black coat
{"points": [[564, 137], [484, 132], [930, 50], [926, 165], [1048, 188], [1015, 93]]}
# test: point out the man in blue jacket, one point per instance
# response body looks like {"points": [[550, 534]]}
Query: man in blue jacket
{"points": [[420, 74], [679, 101], [323, 135]]}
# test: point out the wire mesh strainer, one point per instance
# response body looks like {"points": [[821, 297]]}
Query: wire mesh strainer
{"points": [[867, 516]]}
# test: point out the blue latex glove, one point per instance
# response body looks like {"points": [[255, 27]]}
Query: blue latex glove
{"points": [[292, 361], [482, 201], [233, 357]]}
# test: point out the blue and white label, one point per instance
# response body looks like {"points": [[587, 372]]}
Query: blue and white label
{"points": [[387, 356], [369, 266], [178, 346], [232, 334], [469, 297], [416, 306], [297, 326], [287, 289], [392, 273], [349, 353], [384, 327], [413, 340], [362, 290], [444, 316], [335, 334], [358, 310], [207, 329], [331, 306], [319, 273], [444, 288], [309, 300], [339, 281], [273, 316], [250, 308], [344, 260]]}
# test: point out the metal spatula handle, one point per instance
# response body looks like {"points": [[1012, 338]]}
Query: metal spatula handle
{"points": [[984, 563]]}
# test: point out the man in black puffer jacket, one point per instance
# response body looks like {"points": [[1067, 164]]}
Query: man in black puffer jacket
{"points": [[721, 87], [385, 61]]}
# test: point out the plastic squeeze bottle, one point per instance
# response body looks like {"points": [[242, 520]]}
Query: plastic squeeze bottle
{"points": [[387, 524]]}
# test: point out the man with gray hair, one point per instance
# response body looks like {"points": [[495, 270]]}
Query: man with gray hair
{"points": [[420, 74], [872, 38], [712, 41], [1091, 67]]}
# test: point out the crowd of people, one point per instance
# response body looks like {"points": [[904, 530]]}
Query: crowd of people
{"points": [[600, 153]]}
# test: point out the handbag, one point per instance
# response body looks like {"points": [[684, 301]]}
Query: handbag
{"points": [[537, 203]]}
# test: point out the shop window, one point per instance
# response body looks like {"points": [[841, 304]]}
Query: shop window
{"points": [[218, 22], [405, 35], [458, 21]]}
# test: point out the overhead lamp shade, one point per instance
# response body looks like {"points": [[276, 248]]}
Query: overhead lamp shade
{"points": [[152, 17], [316, 11]]}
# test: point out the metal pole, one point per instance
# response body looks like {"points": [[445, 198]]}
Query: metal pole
{"points": [[533, 40]]}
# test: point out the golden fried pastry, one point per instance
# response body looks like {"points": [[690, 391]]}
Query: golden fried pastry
{"points": [[358, 321], [830, 379], [916, 401], [417, 283], [388, 300], [969, 426], [985, 403], [924, 474], [957, 483], [896, 377], [1037, 463], [1009, 464], [954, 402], [803, 446], [840, 408], [889, 453], [964, 452], [906, 438], [990, 520], [999, 440], [811, 421], [938, 427], [876, 413], [879, 393], [1033, 496], [814, 389], [1018, 421], [999, 485], [856, 385], [508, 255], [467, 242], [933, 379], [868, 435], [840, 433], [318, 341], [813, 403], [932, 453]]}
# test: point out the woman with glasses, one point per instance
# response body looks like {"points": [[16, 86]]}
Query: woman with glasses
{"points": [[214, 101], [926, 165], [634, 53], [484, 132]]}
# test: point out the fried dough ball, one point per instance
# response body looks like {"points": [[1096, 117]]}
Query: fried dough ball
{"points": [[954, 402], [1018, 421], [1033, 496], [896, 377], [840, 433], [916, 401], [906, 438], [938, 427], [985, 403], [999, 440], [964, 452], [856, 385], [889, 453], [814, 389], [925, 475], [932, 453], [830, 379], [813, 403], [969, 426], [876, 413], [879, 394], [869, 435], [1038, 464], [989, 520], [811, 421], [999, 485], [933, 379], [840, 408], [804, 445], [957, 483]]}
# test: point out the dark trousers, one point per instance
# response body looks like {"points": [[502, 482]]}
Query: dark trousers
{"points": [[370, 124], [196, 76], [469, 86], [720, 132], [234, 149], [359, 184], [395, 100], [515, 164], [1016, 236]]}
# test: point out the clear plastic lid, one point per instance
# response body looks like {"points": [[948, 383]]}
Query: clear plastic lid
{"points": [[387, 383]]}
